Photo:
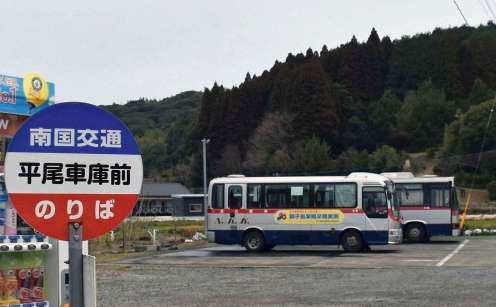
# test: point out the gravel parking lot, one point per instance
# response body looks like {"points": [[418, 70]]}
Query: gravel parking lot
{"points": [[460, 272]]}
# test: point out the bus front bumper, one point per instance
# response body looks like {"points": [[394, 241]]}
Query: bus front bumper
{"points": [[211, 236], [395, 236]]}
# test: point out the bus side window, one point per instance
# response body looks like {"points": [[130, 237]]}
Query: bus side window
{"points": [[440, 197], [254, 196], [324, 196], [235, 197], [345, 195], [411, 194], [217, 200], [299, 195]]}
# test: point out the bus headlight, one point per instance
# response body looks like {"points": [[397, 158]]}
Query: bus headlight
{"points": [[395, 236]]}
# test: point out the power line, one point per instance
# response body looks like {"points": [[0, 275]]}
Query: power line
{"points": [[484, 137], [490, 9], [461, 13], [484, 8]]}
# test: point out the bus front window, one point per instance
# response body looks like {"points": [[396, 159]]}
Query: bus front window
{"points": [[374, 202]]}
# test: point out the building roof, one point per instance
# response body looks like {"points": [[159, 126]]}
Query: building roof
{"points": [[163, 189]]}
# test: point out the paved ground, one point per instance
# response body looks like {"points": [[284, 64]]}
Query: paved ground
{"points": [[444, 272]]}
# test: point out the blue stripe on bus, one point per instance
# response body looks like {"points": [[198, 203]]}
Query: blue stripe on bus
{"points": [[292, 237], [438, 229]]}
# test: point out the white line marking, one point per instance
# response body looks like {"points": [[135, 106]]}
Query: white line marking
{"points": [[457, 249]]}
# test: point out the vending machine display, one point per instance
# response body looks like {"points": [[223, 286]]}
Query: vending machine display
{"points": [[22, 279], [30, 263]]}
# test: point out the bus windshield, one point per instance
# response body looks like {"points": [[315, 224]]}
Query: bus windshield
{"points": [[454, 205], [393, 198]]}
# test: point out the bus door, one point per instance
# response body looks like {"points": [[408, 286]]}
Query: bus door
{"points": [[438, 197], [455, 214], [375, 207], [235, 205]]}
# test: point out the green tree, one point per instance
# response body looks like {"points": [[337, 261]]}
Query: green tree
{"points": [[153, 148], [311, 102], [353, 160], [480, 92], [385, 159], [424, 115], [462, 142], [383, 117], [310, 156], [464, 135], [355, 130]]}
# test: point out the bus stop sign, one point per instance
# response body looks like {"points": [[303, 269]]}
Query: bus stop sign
{"points": [[73, 163]]}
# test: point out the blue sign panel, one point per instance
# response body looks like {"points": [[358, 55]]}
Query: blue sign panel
{"points": [[25, 96], [74, 127]]}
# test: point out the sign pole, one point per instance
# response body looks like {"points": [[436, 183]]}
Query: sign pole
{"points": [[205, 141], [76, 264]]}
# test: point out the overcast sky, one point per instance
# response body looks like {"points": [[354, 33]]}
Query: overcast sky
{"points": [[109, 51]]}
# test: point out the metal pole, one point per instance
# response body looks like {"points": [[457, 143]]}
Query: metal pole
{"points": [[204, 143], [175, 228], [76, 265]]}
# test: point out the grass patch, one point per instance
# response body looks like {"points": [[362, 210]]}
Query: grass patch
{"points": [[131, 234], [474, 224]]}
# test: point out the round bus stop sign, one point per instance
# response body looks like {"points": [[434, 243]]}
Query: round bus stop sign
{"points": [[73, 163]]}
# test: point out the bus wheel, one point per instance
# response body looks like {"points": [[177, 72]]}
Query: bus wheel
{"points": [[254, 241], [352, 241], [415, 233]]}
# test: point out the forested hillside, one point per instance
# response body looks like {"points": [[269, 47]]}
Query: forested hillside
{"points": [[161, 128], [360, 106], [355, 107]]}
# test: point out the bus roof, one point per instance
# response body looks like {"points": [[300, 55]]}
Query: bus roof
{"points": [[353, 177], [405, 177]]}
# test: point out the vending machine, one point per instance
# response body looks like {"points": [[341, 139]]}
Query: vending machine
{"points": [[33, 268]]}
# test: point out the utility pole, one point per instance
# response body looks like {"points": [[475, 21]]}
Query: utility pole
{"points": [[205, 141]]}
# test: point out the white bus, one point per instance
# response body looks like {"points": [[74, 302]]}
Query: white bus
{"points": [[353, 211], [428, 205]]}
